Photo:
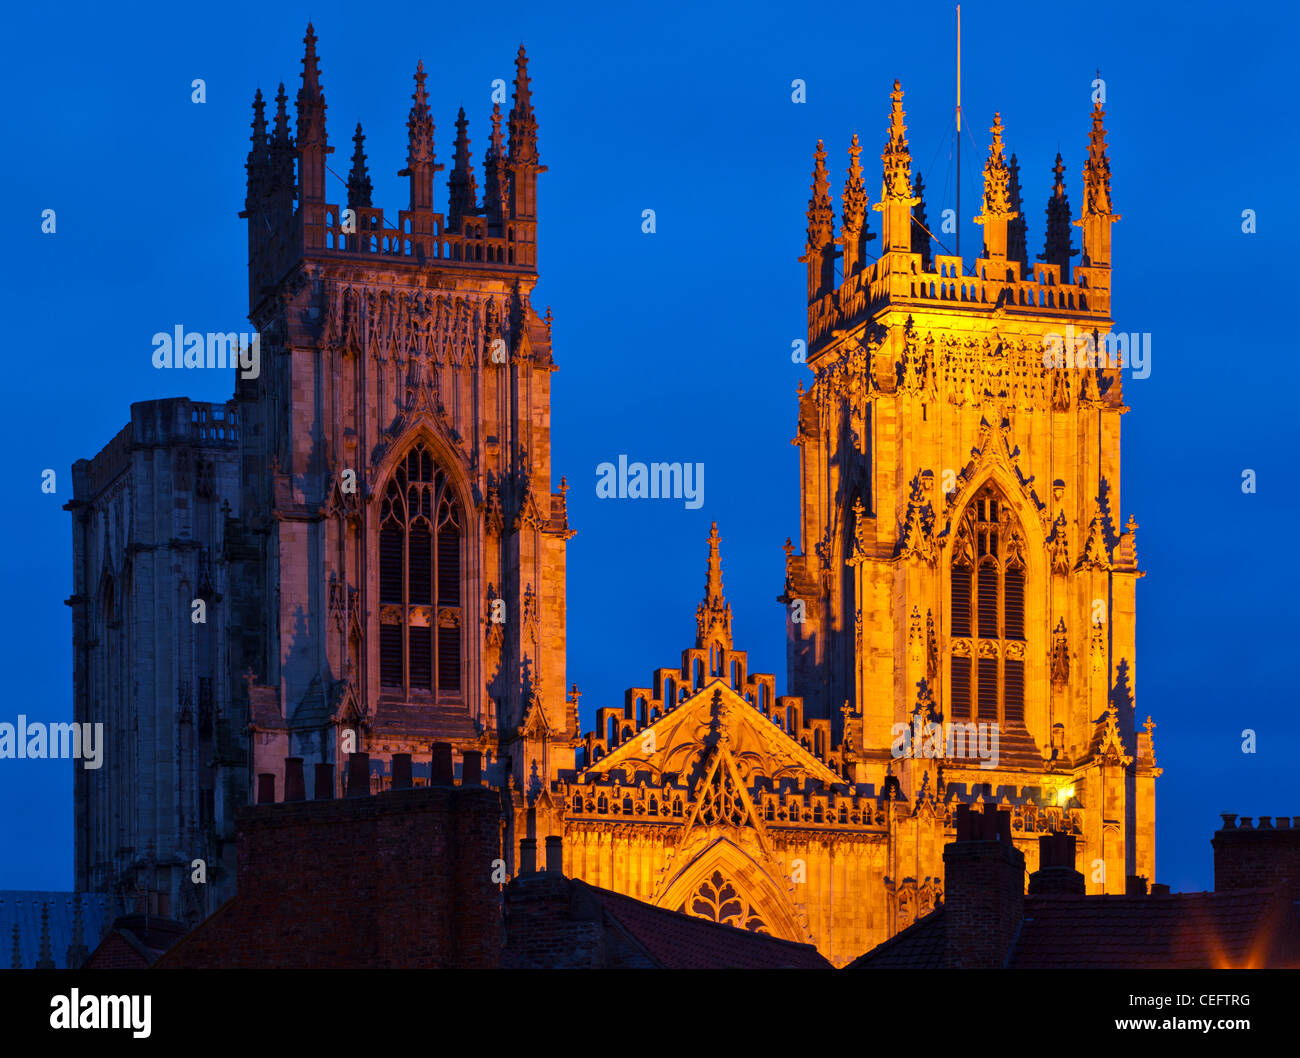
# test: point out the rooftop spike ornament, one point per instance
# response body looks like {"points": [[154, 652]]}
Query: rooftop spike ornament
{"points": [[523, 123], [713, 618], [896, 184], [1098, 214], [359, 189], [855, 234], [1056, 246], [920, 225], [258, 164], [311, 140], [819, 251], [420, 161], [497, 193], [998, 212], [461, 184], [522, 163]]}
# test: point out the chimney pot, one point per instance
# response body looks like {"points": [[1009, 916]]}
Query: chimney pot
{"points": [[441, 772], [295, 785], [324, 782], [528, 856], [1003, 824], [554, 855], [963, 822], [359, 775], [471, 770], [266, 788], [1056, 873], [1056, 850], [401, 771]]}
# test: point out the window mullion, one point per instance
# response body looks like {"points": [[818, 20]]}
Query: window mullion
{"points": [[406, 604]]}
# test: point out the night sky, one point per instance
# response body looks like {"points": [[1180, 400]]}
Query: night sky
{"points": [[676, 345]]}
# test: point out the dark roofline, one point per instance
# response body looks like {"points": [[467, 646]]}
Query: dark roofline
{"points": [[901, 937], [609, 901]]}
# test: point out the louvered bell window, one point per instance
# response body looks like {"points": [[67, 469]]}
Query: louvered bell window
{"points": [[987, 614], [420, 538]]}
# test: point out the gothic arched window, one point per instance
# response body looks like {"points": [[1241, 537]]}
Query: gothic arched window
{"points": [[420, 530], [988, 614]]}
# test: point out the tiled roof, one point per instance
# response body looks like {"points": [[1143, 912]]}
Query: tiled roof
{"points": [[1177, 931], [919, 947], [1240, 928], [678, 941]]}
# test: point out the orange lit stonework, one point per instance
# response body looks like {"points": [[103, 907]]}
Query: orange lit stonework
{"points": [[961, 561]]}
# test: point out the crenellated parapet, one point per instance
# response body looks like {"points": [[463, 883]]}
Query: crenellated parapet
{"points": [[293, 216]]}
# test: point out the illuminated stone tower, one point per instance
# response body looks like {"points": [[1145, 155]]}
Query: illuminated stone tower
{"points": [[962, 559], [398, 555]]}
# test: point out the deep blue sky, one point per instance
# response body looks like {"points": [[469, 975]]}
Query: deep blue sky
{"points": [[676, 345]]}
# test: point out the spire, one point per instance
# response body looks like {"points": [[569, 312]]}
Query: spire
{"points": [[258, 153], [258, 164], [1056, 247], [45, 960], [281, 155], [896, 187], [78, 953], [997, 214], [359, 188], [1098, 215], [522, 165], [461, 183], [420, 162], [713, 618], [819, 252], [1017, 233], [920, 225], [523, 124], [497, 193], [312, 145], [855, 235]]}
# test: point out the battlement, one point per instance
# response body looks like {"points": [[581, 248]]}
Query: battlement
{"points": [[291, 218], [802, 802], [902, 281], [907, 274]]}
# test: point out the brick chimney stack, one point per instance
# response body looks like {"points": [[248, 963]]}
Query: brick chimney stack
{"points": [[441, 768], [295, 785], [554, 855], [984, 891], [1261, 855], [528, 856], [1056, 872], [358, 775]]}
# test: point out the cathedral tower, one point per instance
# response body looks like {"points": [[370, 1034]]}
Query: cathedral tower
{"points": [[962, 558], [398, 555]]}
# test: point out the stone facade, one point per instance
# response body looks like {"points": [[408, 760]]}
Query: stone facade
{"points": [[385, 560], [149, 522], [376, 534], [962, 560], [961, 577]]}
